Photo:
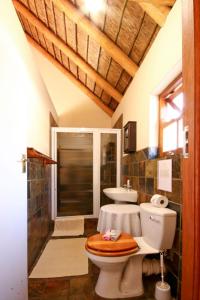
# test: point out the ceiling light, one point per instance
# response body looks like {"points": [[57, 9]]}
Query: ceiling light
{"points": [[94, 6]]}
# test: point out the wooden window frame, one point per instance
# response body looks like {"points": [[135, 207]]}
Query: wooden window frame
{"points": [[175, 87]]}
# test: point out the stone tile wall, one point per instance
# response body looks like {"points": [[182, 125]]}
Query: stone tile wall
{"points": [[141, 168], [39, 207]]}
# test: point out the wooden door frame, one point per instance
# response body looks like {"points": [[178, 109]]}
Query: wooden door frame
{"points": [[191, 165]]}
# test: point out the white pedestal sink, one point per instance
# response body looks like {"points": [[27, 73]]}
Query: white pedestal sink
{"points": [[120, 194]]}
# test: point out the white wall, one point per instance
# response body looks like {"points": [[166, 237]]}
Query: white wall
{"points": [[38, 103], [39, 108], [74, 108], [161, 65]]}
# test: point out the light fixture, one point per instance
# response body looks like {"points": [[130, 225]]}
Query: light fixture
{"points": [[94, 6]]}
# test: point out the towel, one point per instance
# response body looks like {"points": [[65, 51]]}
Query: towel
{"points": [[112, 235]]}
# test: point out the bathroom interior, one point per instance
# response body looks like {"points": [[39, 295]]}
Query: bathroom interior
{"points": [[100, 106]]}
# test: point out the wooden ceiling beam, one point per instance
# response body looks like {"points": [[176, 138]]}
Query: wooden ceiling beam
{"points": [[68, 52], [157, 13], [92, 30], [72, 78], [157, 2]]}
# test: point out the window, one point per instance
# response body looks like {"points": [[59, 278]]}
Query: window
{"points": [[171, 117]]}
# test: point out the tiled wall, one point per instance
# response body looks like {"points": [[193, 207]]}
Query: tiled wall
{"points": [[141, 169], [39, 207]]}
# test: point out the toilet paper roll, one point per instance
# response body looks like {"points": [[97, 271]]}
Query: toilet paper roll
{"points": [[159, 200]]}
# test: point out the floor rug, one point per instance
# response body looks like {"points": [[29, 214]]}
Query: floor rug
{"points": [[62, 257], [70, 226]]}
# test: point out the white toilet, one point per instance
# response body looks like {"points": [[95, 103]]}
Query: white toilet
{"points": [[121, 261]]}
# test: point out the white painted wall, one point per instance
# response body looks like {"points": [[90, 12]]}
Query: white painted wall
{"points": [[39, 108], [74, 108], [38, 101], [161, 65]]}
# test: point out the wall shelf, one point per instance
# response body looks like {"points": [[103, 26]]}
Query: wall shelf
{"points": [[32, 153]]}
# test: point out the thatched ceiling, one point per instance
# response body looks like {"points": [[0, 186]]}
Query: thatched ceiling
{"points": [[99, 52]]}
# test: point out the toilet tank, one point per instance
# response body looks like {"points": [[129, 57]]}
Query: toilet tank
{"points": [[158, 226]]}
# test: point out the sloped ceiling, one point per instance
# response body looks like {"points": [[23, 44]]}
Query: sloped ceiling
{"points": [[100, 52]]}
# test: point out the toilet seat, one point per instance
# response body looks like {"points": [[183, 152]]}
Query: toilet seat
{"points": [[125, 245]]}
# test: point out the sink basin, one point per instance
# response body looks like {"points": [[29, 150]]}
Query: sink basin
{"points": [[121, 194]]}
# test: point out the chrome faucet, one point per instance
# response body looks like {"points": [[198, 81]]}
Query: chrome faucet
{"points": [[127, 185]]}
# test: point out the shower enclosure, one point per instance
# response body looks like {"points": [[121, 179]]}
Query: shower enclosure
{"points": [[88, 160]]}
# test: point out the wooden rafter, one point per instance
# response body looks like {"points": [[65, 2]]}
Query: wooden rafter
{"points": [[92, 30], [157, 13], [104, 107], [157, 2], [68, 52]]}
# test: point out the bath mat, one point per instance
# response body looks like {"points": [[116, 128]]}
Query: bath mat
{"points": [[70, 226], [62, 257]]}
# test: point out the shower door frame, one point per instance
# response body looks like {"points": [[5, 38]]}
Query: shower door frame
{"points": [[96, 164]]}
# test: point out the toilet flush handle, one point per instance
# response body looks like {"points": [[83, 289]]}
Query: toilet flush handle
{"points": [[152, 218]]}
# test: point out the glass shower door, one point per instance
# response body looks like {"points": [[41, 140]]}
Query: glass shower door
{"points": [[88, 160], [74, 173], [108, 166]]}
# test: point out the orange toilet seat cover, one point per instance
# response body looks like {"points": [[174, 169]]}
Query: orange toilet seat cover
{"points": [[123, 246]]}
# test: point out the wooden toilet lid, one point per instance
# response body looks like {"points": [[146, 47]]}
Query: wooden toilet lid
{"points": [[123, 246]]}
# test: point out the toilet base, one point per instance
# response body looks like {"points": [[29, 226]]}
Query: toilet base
{"points": [[112, 285], [120, 295]]}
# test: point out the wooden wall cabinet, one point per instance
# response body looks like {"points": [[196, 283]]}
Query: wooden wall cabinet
{"points": [[130, 137]]}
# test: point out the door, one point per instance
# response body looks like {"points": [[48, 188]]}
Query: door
{"points": [[191, 164], [88, 161], [109, 164], [13, 195], [74, 173]]}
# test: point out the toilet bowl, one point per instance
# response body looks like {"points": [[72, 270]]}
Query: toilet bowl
{"points": [[111, 257], [121, 261]]}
